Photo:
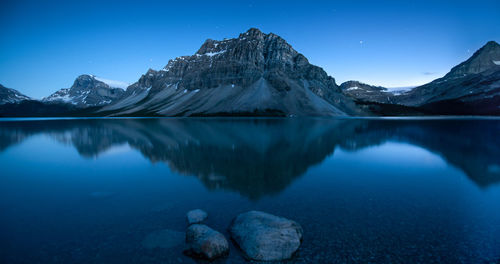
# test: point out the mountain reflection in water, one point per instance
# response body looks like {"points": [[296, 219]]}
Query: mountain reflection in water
{"points": [[258, 157]]}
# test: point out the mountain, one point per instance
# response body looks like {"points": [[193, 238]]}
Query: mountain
{"points": [[253, 74], [366, 92], [377, 100], [484, 59], [258, 74], [10, 96], [88, 91], [470, 88]]}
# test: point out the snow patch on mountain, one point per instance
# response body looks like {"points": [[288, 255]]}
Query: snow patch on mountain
{"points": [[211, 54]]}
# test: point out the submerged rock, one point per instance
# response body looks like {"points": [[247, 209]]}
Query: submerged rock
{"points": [[165, 238], [204, 242], [196, 216], [266, 237]]}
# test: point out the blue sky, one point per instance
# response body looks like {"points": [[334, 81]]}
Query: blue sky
{"points": [[45, 45]]}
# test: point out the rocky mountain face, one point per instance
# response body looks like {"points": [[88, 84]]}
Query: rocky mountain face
{"points": [[88, 91], [11, 96], [254, 74]]}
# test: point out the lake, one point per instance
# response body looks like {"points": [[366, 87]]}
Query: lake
{"points": [[402, 190]]}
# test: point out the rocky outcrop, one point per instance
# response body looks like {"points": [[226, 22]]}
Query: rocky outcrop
{"points": [[196, 216], [88, 91], [253, 74], [204, 242], [11, 96], [265, 237]]}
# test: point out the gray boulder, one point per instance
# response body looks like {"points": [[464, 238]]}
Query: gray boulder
{"points": [[196, 216], [265, 237], [204, 242]]}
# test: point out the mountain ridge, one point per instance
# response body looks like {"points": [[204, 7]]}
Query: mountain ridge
{"points": [[259, 74]]}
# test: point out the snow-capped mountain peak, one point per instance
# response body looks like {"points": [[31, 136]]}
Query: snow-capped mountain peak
{"points": [[89, 90]]}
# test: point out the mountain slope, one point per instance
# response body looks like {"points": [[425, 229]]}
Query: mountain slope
{"points": [[254, 74], [10, 96], [485, 58], [88, 91], [470, 88], [476, 79]]}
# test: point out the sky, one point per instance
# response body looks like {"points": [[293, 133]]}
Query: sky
{"points": [[45, 45]]}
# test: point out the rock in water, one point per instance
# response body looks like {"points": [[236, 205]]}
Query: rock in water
{"points": [[266, 237], [196, 216], [204, 242]]}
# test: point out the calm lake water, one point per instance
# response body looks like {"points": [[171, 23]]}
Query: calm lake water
{"points": [[364, 190]]}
